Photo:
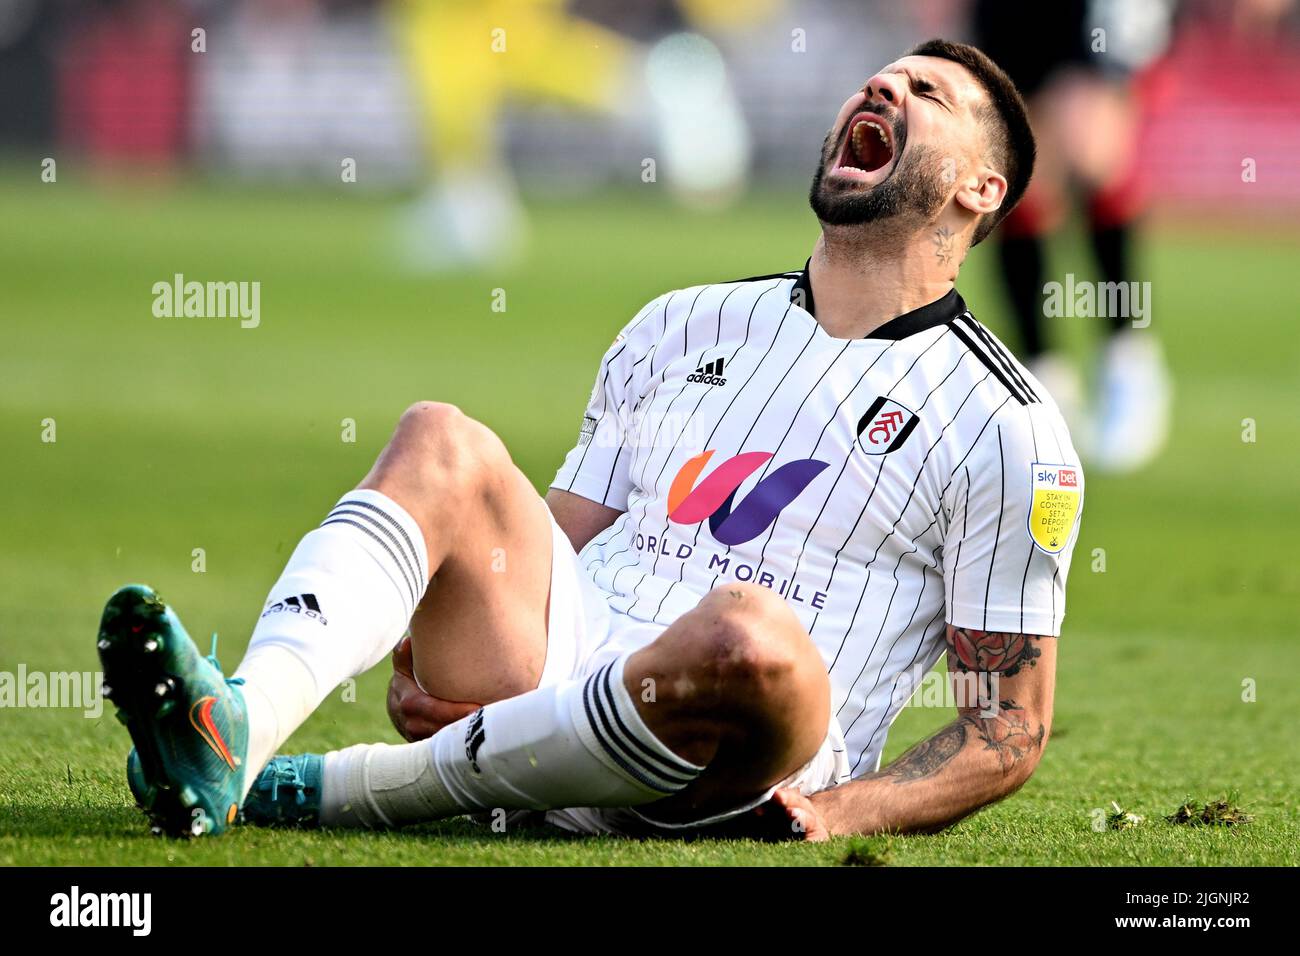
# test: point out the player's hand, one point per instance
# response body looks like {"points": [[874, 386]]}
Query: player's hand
{"points": [[798, 813], [415, 714]]}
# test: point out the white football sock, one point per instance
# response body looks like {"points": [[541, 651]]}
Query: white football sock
{"points": [[574, 744], [343, 601], [279, 694]]}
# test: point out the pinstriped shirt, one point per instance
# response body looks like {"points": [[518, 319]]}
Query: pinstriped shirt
{"points": [[883, 486]]}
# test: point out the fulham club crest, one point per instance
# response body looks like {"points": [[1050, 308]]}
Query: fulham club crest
{"points": [[885, 426]]}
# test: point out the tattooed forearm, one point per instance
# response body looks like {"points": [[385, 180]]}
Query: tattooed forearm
{"points": [[991, 651], [1009, 735], [929, 756]]}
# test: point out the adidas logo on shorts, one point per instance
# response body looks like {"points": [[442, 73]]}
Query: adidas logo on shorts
{"points": [[474, 737], [710, 373]]}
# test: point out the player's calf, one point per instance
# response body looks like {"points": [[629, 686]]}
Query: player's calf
{"points": [[480, 633]]}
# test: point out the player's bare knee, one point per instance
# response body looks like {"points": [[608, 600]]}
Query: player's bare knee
{"points": [[754, 608], [745, 646], [443, 451], [427, 424], [746, 602]]}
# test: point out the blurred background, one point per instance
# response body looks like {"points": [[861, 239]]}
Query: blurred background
{"points": [[451, 116], [464, 200], [572, 95]]}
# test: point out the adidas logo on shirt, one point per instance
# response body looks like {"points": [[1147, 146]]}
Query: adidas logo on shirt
{"points": [[305, 604], [710, 373]]}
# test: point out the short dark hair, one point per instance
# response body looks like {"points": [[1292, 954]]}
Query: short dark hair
{"points": [[1005, 121]]}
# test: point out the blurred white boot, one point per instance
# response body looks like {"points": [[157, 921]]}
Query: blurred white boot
{"points": [[1135, 395], [467, 219], [703, 137], [1064, 384]]}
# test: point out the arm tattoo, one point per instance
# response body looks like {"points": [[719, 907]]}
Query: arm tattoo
{"points": [[996, 652], [929, 756], [1008, 734], [1002, 727]]}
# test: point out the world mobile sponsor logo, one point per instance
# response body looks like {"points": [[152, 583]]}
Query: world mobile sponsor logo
{"points": [[734, 523], [713, 498], [728, 566]]}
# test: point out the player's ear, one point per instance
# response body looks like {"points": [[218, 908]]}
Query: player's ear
{"points": [[982, 191]]}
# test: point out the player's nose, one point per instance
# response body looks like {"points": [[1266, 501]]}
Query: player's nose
{"points": [[885, 88]]}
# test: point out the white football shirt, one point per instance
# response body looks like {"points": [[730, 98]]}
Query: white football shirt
{"points": [[882, 485]]}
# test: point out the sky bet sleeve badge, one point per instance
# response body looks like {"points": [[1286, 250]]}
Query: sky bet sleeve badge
{"points": [[1055, 505]]}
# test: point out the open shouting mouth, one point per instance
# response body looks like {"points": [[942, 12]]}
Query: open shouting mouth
{"points": [[868, 148]]}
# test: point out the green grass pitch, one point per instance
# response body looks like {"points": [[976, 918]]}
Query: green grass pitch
{"points": [[177, 434]]}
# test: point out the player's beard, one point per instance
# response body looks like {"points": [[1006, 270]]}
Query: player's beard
{"points": [[914, 187]]}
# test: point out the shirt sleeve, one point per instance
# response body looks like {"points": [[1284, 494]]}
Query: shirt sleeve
{"points": [[1015, 505], [598, 466]]}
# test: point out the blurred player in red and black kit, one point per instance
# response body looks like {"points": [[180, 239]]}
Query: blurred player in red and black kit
{"points": [[1083, 76]]}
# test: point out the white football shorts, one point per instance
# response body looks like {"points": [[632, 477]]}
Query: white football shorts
{"points": [[583, 635]]}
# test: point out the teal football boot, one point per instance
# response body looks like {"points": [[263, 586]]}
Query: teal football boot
{"points": [[188, 722], [287, 793]]}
